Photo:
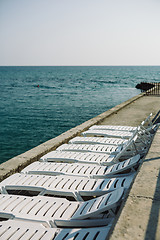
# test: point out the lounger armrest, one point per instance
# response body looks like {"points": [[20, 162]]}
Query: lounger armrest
{"points": [[6, 215], [21, 187], [81, 223]]}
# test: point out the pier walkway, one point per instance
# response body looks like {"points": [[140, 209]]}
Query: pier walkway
{"points": [[140, 216]]}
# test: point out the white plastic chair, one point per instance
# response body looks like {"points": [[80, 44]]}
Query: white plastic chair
{"points": [[79, 157], [133, 147], [83, 170], [124, 128], [91, 157], [59, 212], [107, 133], [20, 230], [65, 186], [98, 140], [142, 133], [140, 140]]}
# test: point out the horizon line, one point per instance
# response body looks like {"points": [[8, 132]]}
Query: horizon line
{"points": [[80, 65]]}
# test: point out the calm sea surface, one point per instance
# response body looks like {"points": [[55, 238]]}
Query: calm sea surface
{"points": [[39, 103]]}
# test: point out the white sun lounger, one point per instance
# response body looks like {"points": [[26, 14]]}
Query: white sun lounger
{"points": [[70, 187], [91, 157], [140, 137], [114, 128], [112, 143], [98, 140], [59, 212], [132, 148], [107, 133], [141, 132], [123, 128], [20, 230], [83, 170], [80, 157]]}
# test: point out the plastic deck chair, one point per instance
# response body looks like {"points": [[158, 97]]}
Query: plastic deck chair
{"points": [[132, 148], [60, 212], [98, 140], [124, 128], [140, 131], [140, 137], [14, 229], [89, 157], [83, 170], [79, 157], [107, 133], [62, 186]]}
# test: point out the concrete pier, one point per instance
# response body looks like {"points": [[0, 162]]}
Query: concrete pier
{"points": [[140, 215]]}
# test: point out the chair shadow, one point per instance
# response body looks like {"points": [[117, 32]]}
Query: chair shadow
{"points": [[151, 159], [152, 227]]}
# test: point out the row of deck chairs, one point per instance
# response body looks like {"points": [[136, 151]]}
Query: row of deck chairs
{"points": [[75, 191]]}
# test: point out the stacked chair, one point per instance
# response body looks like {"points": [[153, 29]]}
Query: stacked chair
{"points": [[75, 191]]}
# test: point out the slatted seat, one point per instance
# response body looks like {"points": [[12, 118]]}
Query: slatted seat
{"points": [[59, 212], [114, 128], [107, 133], [85, 170], [20, 230], [98, 140], [64, 186], [97, 148]]}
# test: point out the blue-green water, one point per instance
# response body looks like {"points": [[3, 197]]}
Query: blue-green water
{"points": [[66, 97]]}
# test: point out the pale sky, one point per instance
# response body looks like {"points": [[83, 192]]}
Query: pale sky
{"points": [[79, 32]]}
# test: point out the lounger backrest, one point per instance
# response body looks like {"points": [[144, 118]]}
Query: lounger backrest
{"points": [[120, 167], [98, 205], [99, 233], [148, 119], [124, 150], [19, 230]]}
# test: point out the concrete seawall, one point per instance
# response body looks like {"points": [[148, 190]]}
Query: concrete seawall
{"points": [[140, 215]]}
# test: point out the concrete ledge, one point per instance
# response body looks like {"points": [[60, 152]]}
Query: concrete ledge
{"points": [[140, 217], [17, 163]]}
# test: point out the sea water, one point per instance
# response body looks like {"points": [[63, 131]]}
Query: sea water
{"points": [[39, 103]]}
